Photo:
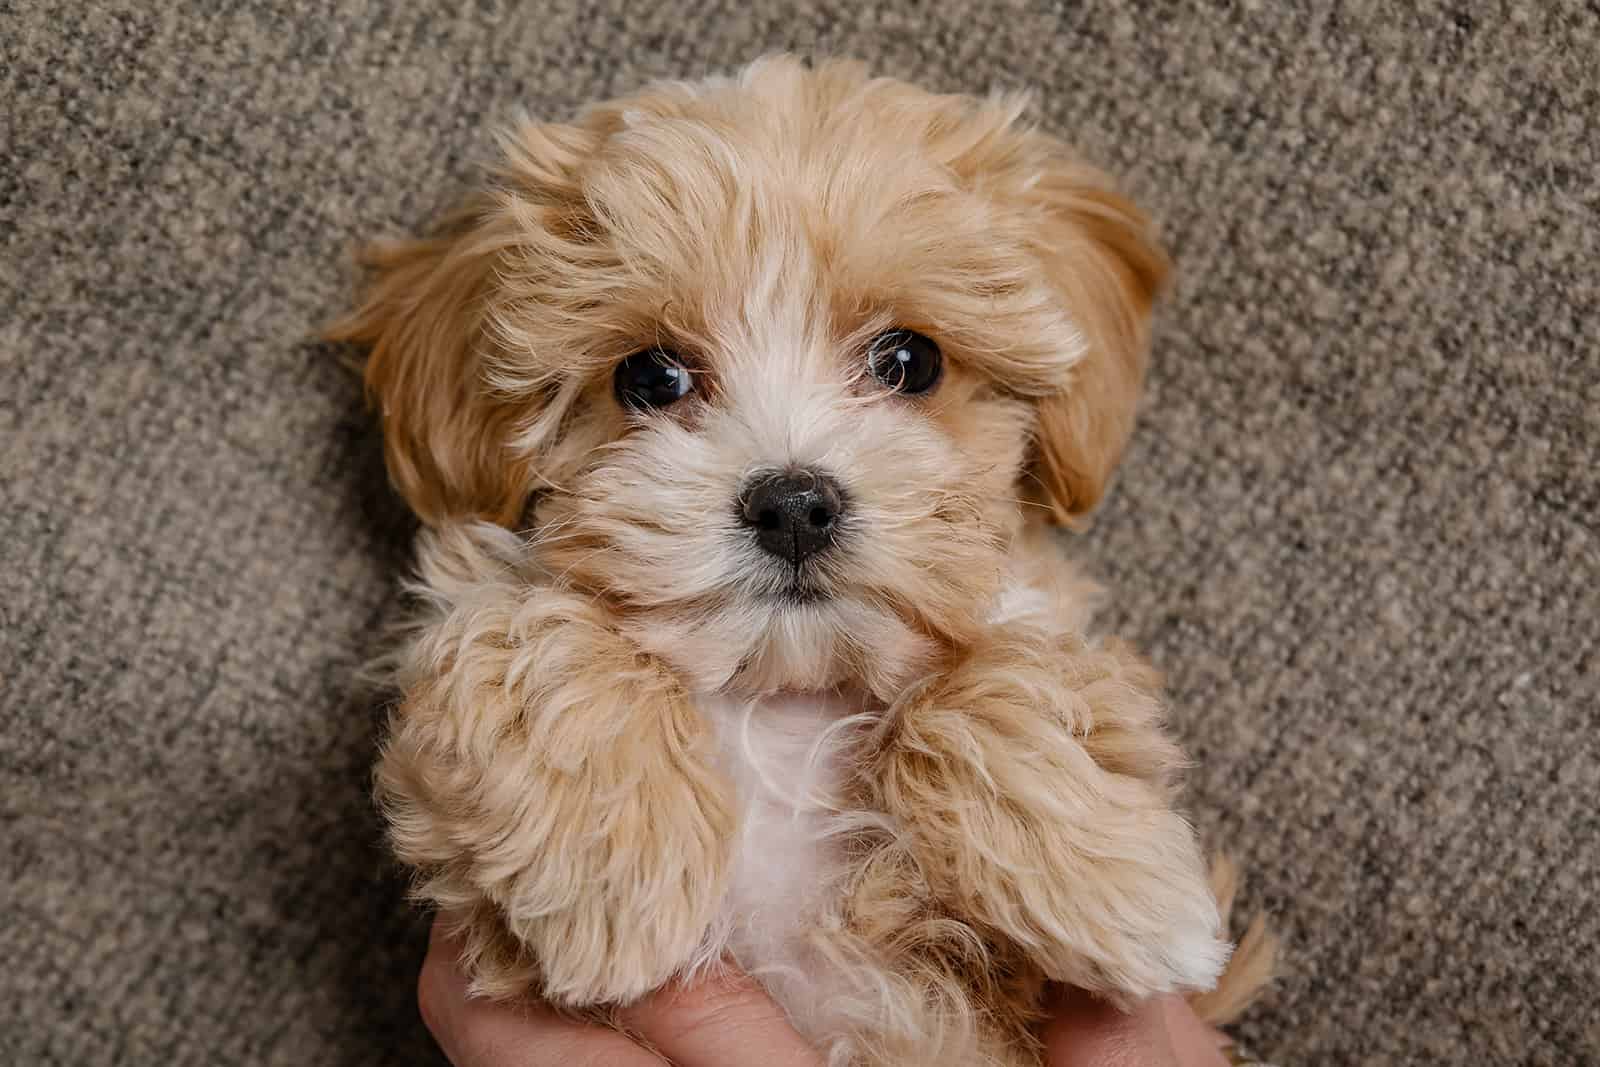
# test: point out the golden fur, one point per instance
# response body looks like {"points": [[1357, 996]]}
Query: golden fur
{"points": [[993, 807]]}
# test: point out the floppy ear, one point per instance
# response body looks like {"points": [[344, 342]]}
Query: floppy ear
{"points": [[445, 434], [428, 319], [1100, 253]]}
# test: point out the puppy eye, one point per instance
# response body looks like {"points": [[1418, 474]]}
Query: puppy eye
{"points": [[653, 378], [905, 361]]}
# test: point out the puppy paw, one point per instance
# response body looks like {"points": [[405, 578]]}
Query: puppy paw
{"points": [[544, 771], [589, 954], [1033, 782], [623, 901], [1131, 917]]}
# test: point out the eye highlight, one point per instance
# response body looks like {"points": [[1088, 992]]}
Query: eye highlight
{"points": [[653, 378], [905, 361]]}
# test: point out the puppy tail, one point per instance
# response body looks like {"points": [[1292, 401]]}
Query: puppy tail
{"points": [[1254, 961]]}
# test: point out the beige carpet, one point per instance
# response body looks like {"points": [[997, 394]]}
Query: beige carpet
{"points": [[1359, 529]]}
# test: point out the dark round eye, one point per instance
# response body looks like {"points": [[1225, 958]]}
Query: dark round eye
{"points": [[653, 378], [905, 361]]}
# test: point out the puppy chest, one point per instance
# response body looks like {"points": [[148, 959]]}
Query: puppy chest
{"points": [[787, 758]]}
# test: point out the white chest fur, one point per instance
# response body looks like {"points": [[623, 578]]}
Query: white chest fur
{"points": [[788, 757]]}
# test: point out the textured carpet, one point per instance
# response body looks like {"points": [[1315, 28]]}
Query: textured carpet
{"points": [[1359, 528]]}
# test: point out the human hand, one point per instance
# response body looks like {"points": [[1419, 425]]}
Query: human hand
{"points": [[715, 1023], [1164, 1032], [731, 1021]]}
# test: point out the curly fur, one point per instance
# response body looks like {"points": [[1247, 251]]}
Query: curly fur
{"points": [[622, 753]]}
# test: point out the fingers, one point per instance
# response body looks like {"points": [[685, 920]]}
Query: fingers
{"points": [[729, 1019], [716, 1022], [1162, 1032], [1087, 1032], [1198, 1043], [719, 1021], [474, 1032]]}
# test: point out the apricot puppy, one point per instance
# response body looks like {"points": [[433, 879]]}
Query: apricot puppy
{"points": [[736, 413]]}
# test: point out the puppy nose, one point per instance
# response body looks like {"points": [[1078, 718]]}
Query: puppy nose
{"points": [[794, 515]]}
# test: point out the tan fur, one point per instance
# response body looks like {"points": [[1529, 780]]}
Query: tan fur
{"points": [[996, 807], [1252, 966], [444, 432], [1100, 248]]}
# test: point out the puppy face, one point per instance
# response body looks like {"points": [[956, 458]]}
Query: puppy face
{"points": [[778, 367]]}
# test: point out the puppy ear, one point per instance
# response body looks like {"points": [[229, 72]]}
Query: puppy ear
{"points": [[428, 321], [1100, 253], [445, 435]]}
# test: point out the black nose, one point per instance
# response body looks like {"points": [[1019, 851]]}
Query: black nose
{"points": [[795, 515]]}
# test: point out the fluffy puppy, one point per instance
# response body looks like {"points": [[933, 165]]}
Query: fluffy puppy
{"points": [[736, 413]]}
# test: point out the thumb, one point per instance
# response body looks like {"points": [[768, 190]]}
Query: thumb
{"points": [[725, 1018], [1163, 1032]]}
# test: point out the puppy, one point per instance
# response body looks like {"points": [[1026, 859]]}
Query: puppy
{"points": [[737, 414]]}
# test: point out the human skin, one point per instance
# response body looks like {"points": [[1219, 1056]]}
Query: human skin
{"points": [[729, 1020]]}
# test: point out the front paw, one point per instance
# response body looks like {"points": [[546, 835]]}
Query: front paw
{"points": [[1033, 782], [622, 901], [1129, 916], [603, 856], [544, 771]]}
